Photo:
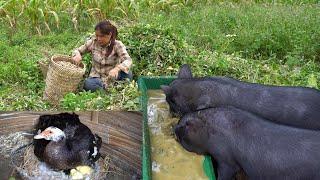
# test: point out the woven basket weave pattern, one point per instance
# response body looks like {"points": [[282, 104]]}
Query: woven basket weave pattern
{"points": [[61, 80], [43, 65]]}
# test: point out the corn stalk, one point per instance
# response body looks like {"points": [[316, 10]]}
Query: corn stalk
{"points": [[46, 15]]}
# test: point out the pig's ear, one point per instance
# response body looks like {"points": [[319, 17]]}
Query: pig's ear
{"points": [[185, 72], [166, 89]]}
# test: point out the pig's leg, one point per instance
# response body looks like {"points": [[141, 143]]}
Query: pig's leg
{"points": [[226, 172]]}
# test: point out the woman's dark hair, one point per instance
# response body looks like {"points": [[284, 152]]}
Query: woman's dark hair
{"points": [[105, 27]]}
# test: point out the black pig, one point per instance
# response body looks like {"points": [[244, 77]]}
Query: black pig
{"points": [[239, 140], [295, 106]]}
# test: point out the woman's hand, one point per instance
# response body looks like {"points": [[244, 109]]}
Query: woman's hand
{"points": [[114, 72], [77, 58]]}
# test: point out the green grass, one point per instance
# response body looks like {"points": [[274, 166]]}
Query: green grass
{"points": [[255, 30], [257, 41]]}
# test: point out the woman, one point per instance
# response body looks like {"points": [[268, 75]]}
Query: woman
{"points": [[110, 60]]}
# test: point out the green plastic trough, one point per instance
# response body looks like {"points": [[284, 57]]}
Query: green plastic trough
{"points": [[145, 84]]}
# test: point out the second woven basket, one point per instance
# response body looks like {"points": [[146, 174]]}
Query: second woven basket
{"points": [[62, 77]]}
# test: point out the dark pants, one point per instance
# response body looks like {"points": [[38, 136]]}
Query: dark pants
{"points": [[95, 83]]}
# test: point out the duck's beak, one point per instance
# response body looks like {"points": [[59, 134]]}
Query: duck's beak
{"points": [[39, 136]]}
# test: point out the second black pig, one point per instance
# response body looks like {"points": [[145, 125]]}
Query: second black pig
{"points": [[239, 140]]}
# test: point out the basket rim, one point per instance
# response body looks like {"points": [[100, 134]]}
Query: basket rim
{"points": [[67, 58]]}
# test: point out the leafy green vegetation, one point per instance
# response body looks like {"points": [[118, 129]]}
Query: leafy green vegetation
{"points": [[268, 42]]}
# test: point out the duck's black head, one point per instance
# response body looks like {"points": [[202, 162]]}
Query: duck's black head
{"points": [[60, 121]]}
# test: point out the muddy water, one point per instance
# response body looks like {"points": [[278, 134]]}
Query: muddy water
{"points": [[169, 159]]}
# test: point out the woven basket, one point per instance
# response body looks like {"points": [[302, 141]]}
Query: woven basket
{"points": [[61, 79], [43, 65]]}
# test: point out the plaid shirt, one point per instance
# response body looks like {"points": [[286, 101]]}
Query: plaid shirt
{"points": [[101, 65]]}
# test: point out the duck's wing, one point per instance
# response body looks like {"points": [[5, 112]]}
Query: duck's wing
{"points": [[98, 141], [80, 138], [95, 155]]}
